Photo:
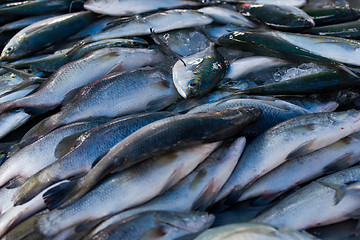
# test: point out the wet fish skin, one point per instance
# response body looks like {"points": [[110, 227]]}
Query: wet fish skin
{"points": [[159, 22], [329, 16], [162, 224], [155, 138], [350, 30], [314, 83], [52, 62], [79, 73], [34, 7], [314, 204], [195, 192], [12, 120], [295, 47], [200, 74], [42, 34], [301, 135], [243, 231], [114, 96], [294, 3], [337, 156], [273, 112], [82, 153], [128, 8], [227, 16], [285, 18], [39, 154], [121, 191], [342, 190], [22, 23]]}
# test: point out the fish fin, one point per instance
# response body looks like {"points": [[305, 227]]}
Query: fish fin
{"points": [[347, 69], [59, 194], [340, 190], [27, 230], [156, 105], [66, 145], [15, 182], [342, 162], [266, 199], [39, 130], [302, 149], [123, 20], [165, 48], [77, 46], [37, 110], [70, 97], [206, 197], [234, 196], [116, 69]]}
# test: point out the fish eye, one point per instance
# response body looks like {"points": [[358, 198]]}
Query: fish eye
{"points": [[193, 84], [10, 49]]}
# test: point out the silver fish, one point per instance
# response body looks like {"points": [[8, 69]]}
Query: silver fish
{"points": [[337, 156], [128, 8], [195, 191], [291, 138], [314, 205], [123, 190]]}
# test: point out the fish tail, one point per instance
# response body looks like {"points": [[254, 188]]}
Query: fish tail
{"points": [[57, 196], [340, 190], [27, 230], [28, 190], [41, 129]]}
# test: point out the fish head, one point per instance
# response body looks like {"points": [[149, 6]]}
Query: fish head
{"points": [[8, 53], [191, 222], [351, 117]]}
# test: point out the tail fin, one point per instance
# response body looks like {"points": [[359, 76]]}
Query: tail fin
{"points": [[340, 190], [27, 230], [57, 196], [39, 130]]}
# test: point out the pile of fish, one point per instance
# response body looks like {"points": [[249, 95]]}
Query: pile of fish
{"points": [[179, 119]]}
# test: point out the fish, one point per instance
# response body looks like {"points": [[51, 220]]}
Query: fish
{"points": [[16, 214], [153, 139], [38, 155], [120, 191], [76, 153], [335, 15], [273, 112], [34, 7], [337, 156], [19, 24], [300, 135], [294, 3], [227, 16], [159, 22], [285, 18], [159, 225], [197, 74], [116, 95], [195, 192], [10, 121], [330, 51], [128, 8], [314, 204], [241, 67], [342, 190], [242, 231], [52, 62], [80, 72], [43, 33], [314, 83]]}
